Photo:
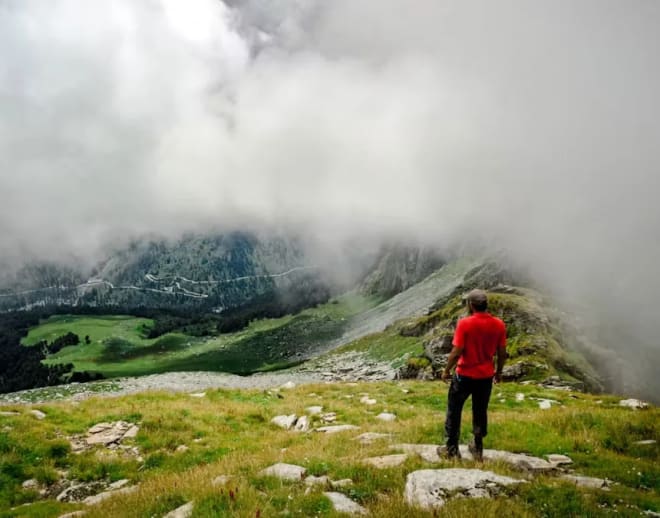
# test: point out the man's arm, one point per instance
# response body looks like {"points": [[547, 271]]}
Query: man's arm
{"points": [[454, 355], [501, 358]]}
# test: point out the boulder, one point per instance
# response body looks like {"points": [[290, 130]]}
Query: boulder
{"points": [[132, 432], [386, 461], [329, 417], [37, 414], [317, 481], [284, 421], [33, 483], [284, 471], [588, 482], [107, 433], [78, 492], [635, 404], [386, 416], [313, 410], [559, 460], [431, 488], [185, 511], [367, 400], [342, 504], [302, 424]]}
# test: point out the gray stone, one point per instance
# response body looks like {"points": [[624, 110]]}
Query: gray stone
{"points": [[132, 432], [369, 437], [74, 514], [302, 424], [198, 394], [559, 460], [646, 442], [588, 482], [221, 480], [30, 484], [284, 471], [342, 504], [337, 428], [37, 414], [97, 499], [428, 452], [367, 400], [635, 404], [339, 484], [107, 433], [517, 460], [79, 492], [185, 511], [288, 385], [313, 410], [317, 481], [430, 488], [284, 421], [118, 484], [386, 461], [182, 448], [329, 417], [386, 416]]}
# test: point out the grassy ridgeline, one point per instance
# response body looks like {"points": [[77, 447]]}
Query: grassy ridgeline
{"points": [[228, 432]]}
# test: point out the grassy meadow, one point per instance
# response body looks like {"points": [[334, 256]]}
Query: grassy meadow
{"points": [[228, 432], [118, 346]]}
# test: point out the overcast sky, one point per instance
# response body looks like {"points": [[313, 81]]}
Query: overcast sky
{"points": [[532, 125]]}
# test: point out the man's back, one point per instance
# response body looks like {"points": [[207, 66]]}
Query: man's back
{"points": [[479, 336]]}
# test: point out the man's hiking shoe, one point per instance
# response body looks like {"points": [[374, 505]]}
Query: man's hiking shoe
{"points": [[449, 452], [477, 451]]}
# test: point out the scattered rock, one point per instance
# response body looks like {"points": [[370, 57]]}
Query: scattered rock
{"points": [[198, 394], [520, 396], [221, 480], [284, 421], [633, 403], [646, 442], [78, 492], [337, 428], [302, 424], [33, 483], [288, 385], [132, 432], [589, 482], [546, 404], [339, 484], [107, 433], [313, 410], [367, 400], [428, 452], [430, 488], [369, 437], [97, 499], [317, 481], [182, 448], [74, 514], [37, 414], [386, 416], [386, 461], [342, 504], [329, 417], [559, 460], [185, 511], [118, 484], [284, 471]]}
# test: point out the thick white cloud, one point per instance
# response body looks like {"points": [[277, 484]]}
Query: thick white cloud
{"points": [[531, 125]]}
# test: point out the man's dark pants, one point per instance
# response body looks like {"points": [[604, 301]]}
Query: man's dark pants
{"points": [[460, 389]]}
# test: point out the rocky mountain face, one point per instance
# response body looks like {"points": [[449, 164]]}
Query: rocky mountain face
{"points": [[209, 272]]}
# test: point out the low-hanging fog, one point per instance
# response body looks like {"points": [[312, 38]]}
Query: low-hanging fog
{"points": [[530, 127]]}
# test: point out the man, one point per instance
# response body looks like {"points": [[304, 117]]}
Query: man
{"points": [[477, 340]]}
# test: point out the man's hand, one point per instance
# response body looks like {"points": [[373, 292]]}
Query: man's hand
{"points": [[497, 378], [446, 375]]}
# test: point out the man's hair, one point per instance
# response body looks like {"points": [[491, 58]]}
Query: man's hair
{"points": [[478, 299]]}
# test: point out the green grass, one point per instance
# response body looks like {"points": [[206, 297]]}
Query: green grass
{"points": [[118, 346], [229, 432]]}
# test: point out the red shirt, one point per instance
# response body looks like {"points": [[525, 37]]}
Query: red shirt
{"points": [[479, 335]]}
